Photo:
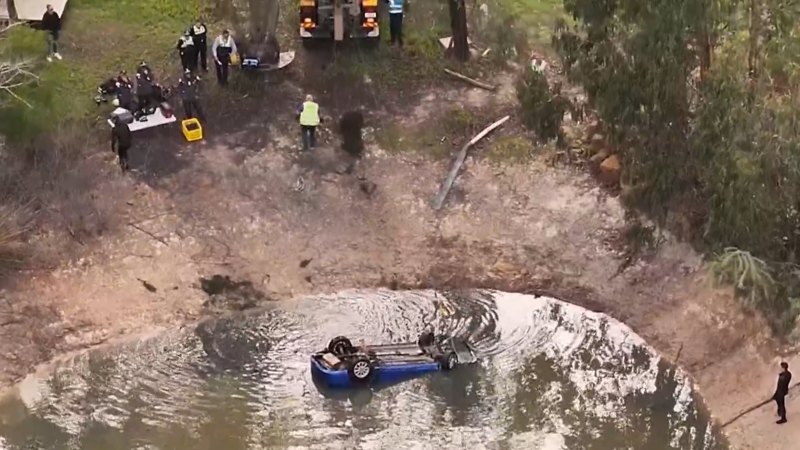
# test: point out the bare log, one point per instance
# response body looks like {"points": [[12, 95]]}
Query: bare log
{"points": [[471, 81], [752, 408], [438, 201]]}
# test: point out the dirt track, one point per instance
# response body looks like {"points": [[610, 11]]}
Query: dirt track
{"points": [[235, 206]]}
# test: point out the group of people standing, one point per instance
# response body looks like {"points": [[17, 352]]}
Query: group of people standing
{"points": [[192, 47]]}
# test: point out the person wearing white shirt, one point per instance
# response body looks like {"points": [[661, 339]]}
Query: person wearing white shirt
{"points": [[223, 47]]}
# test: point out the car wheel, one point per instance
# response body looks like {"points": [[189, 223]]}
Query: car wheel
{"points": [[340, 346], [449, 362], [360, 398], [360, 370]]}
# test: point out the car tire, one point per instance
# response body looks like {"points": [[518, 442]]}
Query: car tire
{"points": [[360, 398], [360, 370], [449, 361], [340, 346]]}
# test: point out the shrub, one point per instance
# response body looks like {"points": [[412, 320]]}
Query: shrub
{"points": [[15, 221], [749, 275], [514, 149], [542, 110]]}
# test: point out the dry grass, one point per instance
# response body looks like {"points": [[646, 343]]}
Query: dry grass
{"points": [[15, 222]]}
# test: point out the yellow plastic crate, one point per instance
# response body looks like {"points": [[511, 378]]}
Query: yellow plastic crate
{"points": [[192, 130]]}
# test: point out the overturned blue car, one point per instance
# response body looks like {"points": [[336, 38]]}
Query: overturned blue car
{"points": [[343, 365]]}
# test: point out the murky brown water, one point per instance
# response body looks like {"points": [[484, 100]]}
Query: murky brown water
{"points": [[551, 376]]}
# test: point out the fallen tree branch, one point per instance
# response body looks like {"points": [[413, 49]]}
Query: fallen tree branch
{"points": [[156, 216], [471, 81], [159, 239], [11, 25], [438, 201], [14, 74], [753, 408]]}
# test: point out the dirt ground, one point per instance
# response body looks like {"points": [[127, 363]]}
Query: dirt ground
{"points": [[248, 204]]}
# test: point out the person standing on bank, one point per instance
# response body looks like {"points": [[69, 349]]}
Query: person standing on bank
{"points": [[189, 90], [396, 21], [222, 49], [187, 51], [51, 22], [199, 34], [308, 114], [121, 140], [781, 391]]}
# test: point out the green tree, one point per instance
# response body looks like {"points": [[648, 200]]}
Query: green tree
{"points": [[700, 96]]}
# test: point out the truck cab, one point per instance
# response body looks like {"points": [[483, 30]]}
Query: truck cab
{"points": [[339, 19]]}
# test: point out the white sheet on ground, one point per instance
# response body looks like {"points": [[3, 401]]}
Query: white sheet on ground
{"points": [[32, 9], [153, 120], [445, 41]]}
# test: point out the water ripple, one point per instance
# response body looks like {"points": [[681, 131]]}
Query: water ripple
{"points": [[550, 376]]}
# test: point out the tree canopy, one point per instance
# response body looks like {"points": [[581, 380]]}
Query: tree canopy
{"points": [[701, 98]]}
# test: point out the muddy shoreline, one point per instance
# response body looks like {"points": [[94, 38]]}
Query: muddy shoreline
{"points": [[235, 206]]}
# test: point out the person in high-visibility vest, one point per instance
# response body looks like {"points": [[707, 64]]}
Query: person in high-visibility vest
{"points": [[308, 115], [396, 21]]}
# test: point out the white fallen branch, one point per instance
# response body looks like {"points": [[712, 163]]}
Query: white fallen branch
{"points": [[438, 201], [471, 81], [15, 73]]}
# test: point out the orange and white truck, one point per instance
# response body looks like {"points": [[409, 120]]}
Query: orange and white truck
{"points": [[339, 19]]}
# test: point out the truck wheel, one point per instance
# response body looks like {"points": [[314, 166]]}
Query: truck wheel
{"points": [[449, 362], [340, 346], [360, 370]]}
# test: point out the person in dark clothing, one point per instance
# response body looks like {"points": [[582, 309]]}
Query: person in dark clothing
{"points": [[51, 23], [426, 339], [189, 90], [121, 141], [350, 126], [144, 71], [145, 89], [187, 51], [124, 91], [199, 34], [781, 391]]}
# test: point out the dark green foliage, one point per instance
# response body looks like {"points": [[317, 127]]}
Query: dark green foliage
{"points": [[542, 110], [723, 136]]}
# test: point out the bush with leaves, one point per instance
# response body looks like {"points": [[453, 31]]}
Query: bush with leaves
{"points": [[700, 97], [542, 110]]}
